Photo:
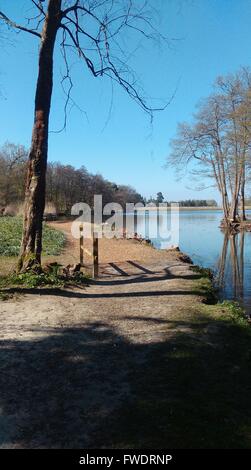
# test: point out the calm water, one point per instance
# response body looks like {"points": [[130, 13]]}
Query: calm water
{"points": [[203, 241]]}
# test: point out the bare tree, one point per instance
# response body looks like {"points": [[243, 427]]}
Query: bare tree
{"points": [[204, 143], [235, 90], [93, 30], [219, 141], [12, 169]]}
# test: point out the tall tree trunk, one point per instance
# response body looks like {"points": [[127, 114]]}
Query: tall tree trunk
{"points": [[235, 197], [225, 205], [233, 218], [222, 179], [243, 211], [7, 190], [31, 248]]}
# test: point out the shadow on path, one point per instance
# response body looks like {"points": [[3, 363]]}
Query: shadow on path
{"points": [[90, 387]]}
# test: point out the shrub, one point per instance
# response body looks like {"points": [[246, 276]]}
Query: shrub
{"points": [[11, 234], [44, 279]]}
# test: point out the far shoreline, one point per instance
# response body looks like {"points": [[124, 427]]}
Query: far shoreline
{"points": [[153, 208], [203, 208]]}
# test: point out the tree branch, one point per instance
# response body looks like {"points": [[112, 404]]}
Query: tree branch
{"points": [[102, 41], [39, 6], [12, 24]]}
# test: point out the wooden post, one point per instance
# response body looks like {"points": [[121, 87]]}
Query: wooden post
{"points": [[135, 218], [81, 245], [147, 226], [95, 255]]}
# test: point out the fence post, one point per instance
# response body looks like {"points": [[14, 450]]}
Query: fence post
{"points": [[81, 245], [95, 255], [147, 227]]}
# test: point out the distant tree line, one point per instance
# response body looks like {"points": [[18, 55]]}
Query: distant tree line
{"points": [[65, 184], [198, 203], [13, 160], [159, 199]]}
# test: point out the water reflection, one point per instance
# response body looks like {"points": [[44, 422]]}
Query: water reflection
{"points": [[231, 266], [161, 227], [229, 256]]}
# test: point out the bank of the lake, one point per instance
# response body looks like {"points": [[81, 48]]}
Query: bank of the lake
{"points": [[201, 237]]}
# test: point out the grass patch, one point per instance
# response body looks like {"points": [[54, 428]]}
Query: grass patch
{"points": [[205, 287], [11, 235], [235, 312], [204, 272], [32, 280]]}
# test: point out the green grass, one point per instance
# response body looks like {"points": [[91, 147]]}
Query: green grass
{"points": [[23, 283], [204, 272], [53, 277], [11, 234], [204, 286]]}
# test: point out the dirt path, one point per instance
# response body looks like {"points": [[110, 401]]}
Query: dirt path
{"points": [[134, 360], [66, 355], [110, 250]]}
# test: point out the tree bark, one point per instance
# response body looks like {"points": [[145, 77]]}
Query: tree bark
{"points": [[243, 210], [235, 197], [234, 210], [225, 205], [31, 247]]}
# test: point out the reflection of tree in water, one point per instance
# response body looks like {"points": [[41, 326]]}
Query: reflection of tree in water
{"points": [[231, 264]]}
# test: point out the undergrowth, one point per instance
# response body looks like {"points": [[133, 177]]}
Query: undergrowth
{"points": [[32, 280], [11, 234]]}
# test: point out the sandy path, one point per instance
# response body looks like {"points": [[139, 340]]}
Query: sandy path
{"points": [[66, 356], [113, 250]]}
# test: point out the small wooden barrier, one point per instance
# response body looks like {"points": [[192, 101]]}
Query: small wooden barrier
{"points": [[81, 245], [93, 254]]}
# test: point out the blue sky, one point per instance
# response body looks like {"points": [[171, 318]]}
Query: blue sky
{"points": [[212, 38]]}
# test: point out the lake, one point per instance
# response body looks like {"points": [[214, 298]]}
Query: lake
{"points": [[201, 238]]}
